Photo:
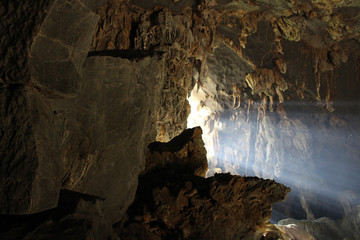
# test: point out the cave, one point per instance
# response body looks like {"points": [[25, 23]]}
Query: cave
{"points": [[180, 119]]}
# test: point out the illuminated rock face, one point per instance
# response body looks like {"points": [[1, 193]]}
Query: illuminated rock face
{"points": [[295, 130], [295, 119]]}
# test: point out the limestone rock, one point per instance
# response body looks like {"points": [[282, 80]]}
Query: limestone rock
{"points": [[85, 85], [185, 152], [110, 124], [173, 5], [169, 29], [59, 51], [20, 22], [29, 152], [292, 231], [198, 208], [263, 81], [174, 203]]}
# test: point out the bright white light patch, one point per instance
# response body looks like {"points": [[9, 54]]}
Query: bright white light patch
{"points": [[203, 111], [199, 114]]}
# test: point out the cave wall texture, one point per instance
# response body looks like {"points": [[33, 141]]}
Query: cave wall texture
{"points": [[86, 85], [292, 115]]}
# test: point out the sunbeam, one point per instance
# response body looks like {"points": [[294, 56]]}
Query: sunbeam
{"points": [[317, 160]]}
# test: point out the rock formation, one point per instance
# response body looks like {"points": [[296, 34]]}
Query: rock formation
{"points": [[175, 201], [184, 153], [86, 85]]}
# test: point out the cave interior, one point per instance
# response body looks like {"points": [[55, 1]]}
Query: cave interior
{"points": [[180, 119]]}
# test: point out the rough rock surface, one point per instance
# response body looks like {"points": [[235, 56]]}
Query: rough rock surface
{"points": [[185, 153], [173, 203], [184, 36], [61, 46], [78, 119], [109, 144], [77, 216], [30, 169], [20, 22], [85, 85]]}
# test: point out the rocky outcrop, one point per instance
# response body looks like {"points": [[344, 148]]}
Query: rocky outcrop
{"points": [[173, 203], [184, 153], [61, 46], [101, 156]]}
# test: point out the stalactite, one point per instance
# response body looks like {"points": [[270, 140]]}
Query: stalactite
{"points": [[236, 96], [329, 90], [250, 102]]}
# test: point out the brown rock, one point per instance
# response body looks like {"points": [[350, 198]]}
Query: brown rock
{"points": [[185, 151], [175, 204], [190, 207]]}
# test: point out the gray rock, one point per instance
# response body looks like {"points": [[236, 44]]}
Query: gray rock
{"points": [[58, 53], [29, 156], [83, 131], [259, 45], [226, 68], [114, 114], [20, 21]]}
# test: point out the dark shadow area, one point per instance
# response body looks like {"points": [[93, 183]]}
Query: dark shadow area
{"points": [[20, 226], [127, 54]]}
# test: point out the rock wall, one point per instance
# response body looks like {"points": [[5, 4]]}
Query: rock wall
{"points": [[21, 110], [183, 33], [85, 88], [78, 120]]}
